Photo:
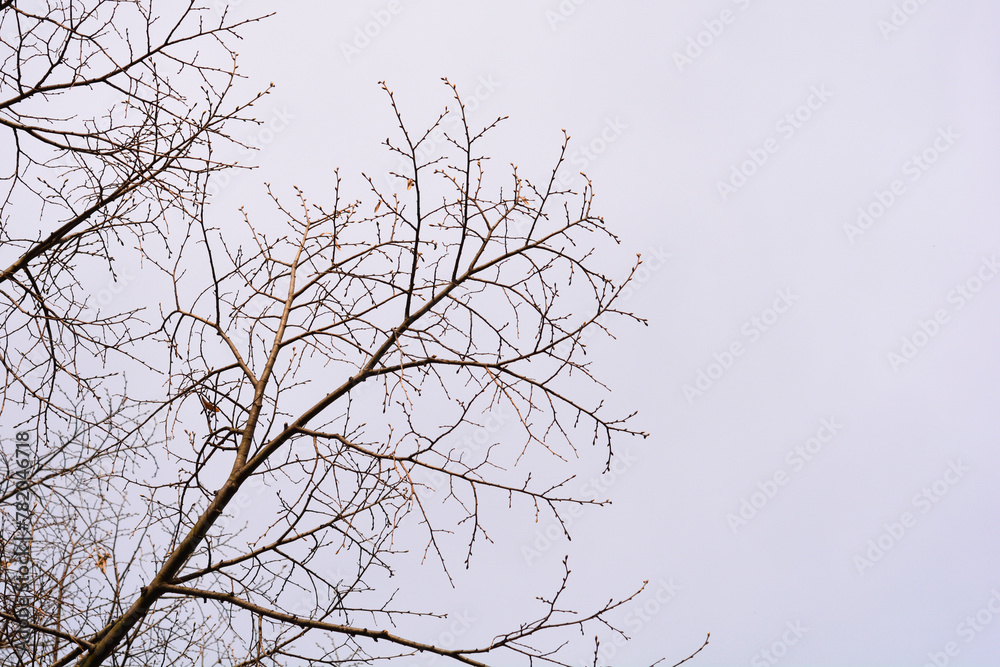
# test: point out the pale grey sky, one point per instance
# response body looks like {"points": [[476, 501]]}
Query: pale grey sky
{"points": [[814, 188]]}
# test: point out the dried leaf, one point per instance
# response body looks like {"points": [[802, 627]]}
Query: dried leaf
{"points": [[209, 406], [377, 204], [409, 183]]}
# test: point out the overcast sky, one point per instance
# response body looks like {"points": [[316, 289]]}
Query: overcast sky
{"points": [[813, 188]]}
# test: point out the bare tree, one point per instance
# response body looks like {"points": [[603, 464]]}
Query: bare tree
{"points": [[316, 364], [112, 112]]}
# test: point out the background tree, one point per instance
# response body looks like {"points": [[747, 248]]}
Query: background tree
{"points": [[111, 114], [315, 363]]}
